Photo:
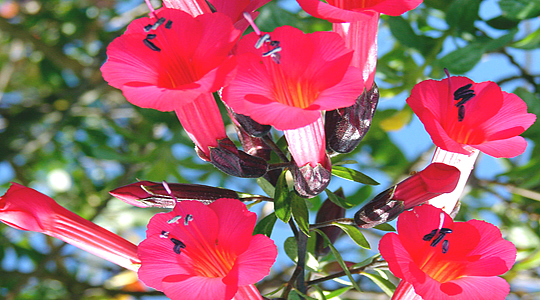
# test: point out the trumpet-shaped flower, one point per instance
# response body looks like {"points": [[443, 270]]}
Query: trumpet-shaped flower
{"points": [[170, 59], [338, 11], [437, 258], [27, 209], [202, 251], [460, 114]]}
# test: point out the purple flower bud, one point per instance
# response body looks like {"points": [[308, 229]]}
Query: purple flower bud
{"points": [[310, 181], [154, 194], [236, 162], [346, 127], [328, 211], [249, 125], [379, 210]]}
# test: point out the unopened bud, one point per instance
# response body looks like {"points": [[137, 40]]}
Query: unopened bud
{"points": [[232, 161], [154, 194], [250, 126], [346, 127], [329, 211], [379, 210]]}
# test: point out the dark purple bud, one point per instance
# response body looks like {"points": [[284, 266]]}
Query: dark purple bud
{"points": [[346, 127], [154, 194], [379, 210], [329, 211], [235, 162], [309, 181], [249, 125]]}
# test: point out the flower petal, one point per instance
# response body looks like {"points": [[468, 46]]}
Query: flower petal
{"points": [[504, 148], [197, 287], [255, 263]]}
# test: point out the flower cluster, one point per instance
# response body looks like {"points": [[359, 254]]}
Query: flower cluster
{"points": [[191, 57]]}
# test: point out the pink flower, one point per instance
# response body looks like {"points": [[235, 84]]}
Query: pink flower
{"points": [[202, 251], [338, 11], [442, 259], [313, 74], [459, 114], [434, 180], [169, 61], [27, 209]]}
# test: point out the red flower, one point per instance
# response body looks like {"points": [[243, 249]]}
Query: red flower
{"points": [[458, 113], [443, 259], [168, 62], [313, 74], [27, 209], [202, 251], [339, 11]]}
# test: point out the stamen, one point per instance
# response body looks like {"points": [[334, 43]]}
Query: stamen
{"points": [[461, 90], [178, 245], [151, 36], [147, 27], [438, 239], [430, 235], [212, 7], [272, 52], [151, 45], [164, 234], [168, 24], [461, 113], [248, 18], [441, 220], [446, 230], [152, 10], [445, 246], [262, 40], [175, 219], [168, 189], [188, 219], [158, 23]]}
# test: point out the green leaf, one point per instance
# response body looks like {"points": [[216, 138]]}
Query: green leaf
{"points": [[354, 234], [532, 41], [282, 204], [502, 23], [353, 175], [337, 292], [387, 286], [339, 259], [300, 212], [266, 186], [501, 42], [291, 248], [266, 225], [338, 200], [385, 227], [462, 13], [520, 9], [463, 59], [404, 33]]}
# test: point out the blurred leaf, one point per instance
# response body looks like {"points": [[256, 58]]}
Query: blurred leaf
{"points": [[532, 41], [337, 292], [282, 203], [462, 13], [502, 23], [354, 234], [353, 175], [520, 9], [397, 120], [463, 59], [266, 186], [266, 225], [403, 32]]}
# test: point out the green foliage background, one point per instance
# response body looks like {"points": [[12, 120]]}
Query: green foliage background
{"points": [[58, 116]]}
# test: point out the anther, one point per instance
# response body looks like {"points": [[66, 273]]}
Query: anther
{"points": [[147, 27], [274, 43], [158, 23], [178, 245], [168, 24], [430, 235], [438, 239], [151, 45], [461, 113], [462, 89], [445, 246], [174, 220], [272, 52], [188, 219], [212, 7], [164, 234], [262, 40], [151, 36], [446, 230]]}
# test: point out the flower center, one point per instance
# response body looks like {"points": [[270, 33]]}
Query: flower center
{"points": [[291, 92]]}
